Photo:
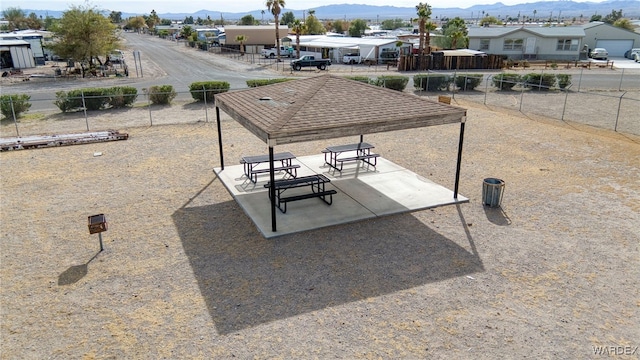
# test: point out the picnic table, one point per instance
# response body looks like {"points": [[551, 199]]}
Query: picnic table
{"points": [[335, 156], [252, 165], [315, 182]]}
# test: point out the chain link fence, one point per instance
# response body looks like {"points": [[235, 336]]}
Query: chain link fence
{"points": [[540, 93], [614, 109]]}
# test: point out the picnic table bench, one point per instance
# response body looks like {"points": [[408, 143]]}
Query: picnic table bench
{"points": [[315, 182], [251, 164], [333, 155]]}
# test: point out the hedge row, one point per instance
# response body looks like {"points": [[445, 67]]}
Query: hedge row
{"points": [[123, 96], [96, 98]]}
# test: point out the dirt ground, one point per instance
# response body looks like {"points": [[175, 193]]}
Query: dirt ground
{"points": [[553, 273]]}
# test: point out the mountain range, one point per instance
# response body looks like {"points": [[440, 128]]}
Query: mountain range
{"points": [[543, 10]]}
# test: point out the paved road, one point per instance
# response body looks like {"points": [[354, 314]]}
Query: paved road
{"points": [[169, 63]]}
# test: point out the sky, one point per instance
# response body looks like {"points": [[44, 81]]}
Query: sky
{"points": [[235, 6]]}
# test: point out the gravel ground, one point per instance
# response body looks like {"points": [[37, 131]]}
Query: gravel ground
{"points": [[553, 273]]}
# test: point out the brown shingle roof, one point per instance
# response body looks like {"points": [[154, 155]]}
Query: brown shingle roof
{"points": [[329, 106]]}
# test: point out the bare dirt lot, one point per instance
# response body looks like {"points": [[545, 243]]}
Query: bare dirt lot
{"points": [[184, 273], [553, 273]]}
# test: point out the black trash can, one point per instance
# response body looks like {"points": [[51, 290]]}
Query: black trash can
{"points": [[492, 191]]}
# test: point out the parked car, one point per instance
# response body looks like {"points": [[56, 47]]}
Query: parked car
{"points": [[636, 57], [629, 53], [599, 54], [351, 58]]}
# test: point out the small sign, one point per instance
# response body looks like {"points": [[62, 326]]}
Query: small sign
{"points": [[97, 224]]}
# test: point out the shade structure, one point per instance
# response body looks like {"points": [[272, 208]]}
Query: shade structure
{"points": [[326, 107]]}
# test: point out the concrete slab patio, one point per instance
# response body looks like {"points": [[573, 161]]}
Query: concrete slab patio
{"points": [[364, 192]]}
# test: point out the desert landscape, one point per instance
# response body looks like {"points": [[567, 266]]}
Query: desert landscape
{"points": [[552, 273]]}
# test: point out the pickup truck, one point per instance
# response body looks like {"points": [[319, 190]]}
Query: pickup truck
{"points": [[310, 61], [271, 53]]}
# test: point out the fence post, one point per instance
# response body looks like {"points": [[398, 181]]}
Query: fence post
{"points": [[149, 106], [206, 113], [13, 112], [521, 94], [453, 85], [580, 80], [540, 82], [84, 108], [615, 128], [486, 89], [564, 107], [621, 77]]}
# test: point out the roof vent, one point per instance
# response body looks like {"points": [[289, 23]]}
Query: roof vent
{"points": [[265, 98]]}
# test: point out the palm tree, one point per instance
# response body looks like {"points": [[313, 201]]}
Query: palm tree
{"points": [[297, 28], [424, 12], [275, 6], [242, 39], [262, 15], [534, 15]]}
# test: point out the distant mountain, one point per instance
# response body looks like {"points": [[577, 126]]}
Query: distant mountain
{"points": [[543, 9]]}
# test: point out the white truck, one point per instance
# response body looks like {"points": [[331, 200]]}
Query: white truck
{"points": [[285, 51]]}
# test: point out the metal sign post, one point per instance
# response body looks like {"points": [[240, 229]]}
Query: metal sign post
{"points": [[98, 224]]}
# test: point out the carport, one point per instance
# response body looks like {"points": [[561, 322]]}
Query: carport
{"points": [[328, 107]]}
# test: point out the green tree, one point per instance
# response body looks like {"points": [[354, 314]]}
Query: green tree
{"points": [[338, 26], [152, 20], [392, 24], [275, 7], [312, 25], [33, 22], [357, 28], [297, 28], [187, 31], [455, 34], [83, 35], [613, 17], [624, 23], [188, 20], [15, 17], [115, 17], [135, 23], [489, 20], [424, 13], [248, 20], [49, 22], [165, 22], [287, 18], [595, 17]]}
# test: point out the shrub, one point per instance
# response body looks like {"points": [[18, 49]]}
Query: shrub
{"points": [[564, 80], [431, 82], [263, 82], [14, 104], [398, 83], [161, 94], [121, 96], [506, 81], [210, 88], [361, 78], [66, 103], [468, 81], [94, 99], [539, 81]]}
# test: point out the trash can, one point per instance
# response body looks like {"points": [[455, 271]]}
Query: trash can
{"points": [[492, 190]]}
